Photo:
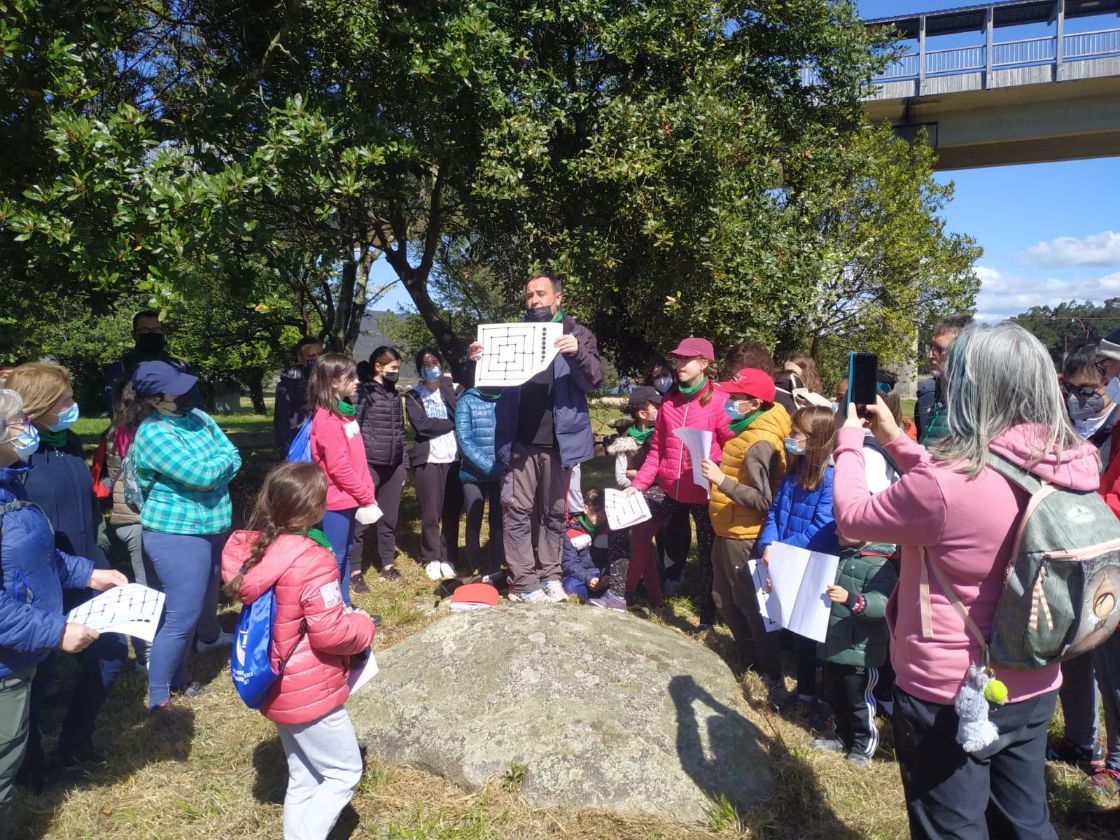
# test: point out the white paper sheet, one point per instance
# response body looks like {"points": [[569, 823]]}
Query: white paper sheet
{"points": [[133, 610], [624, 511], [362, 674], [798, 579], [698, 442], [512, 354], [771, 615]]}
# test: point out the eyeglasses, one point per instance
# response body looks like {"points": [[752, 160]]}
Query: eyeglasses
{"points": [[1102, 367], [1082, 392], [936, 350]]}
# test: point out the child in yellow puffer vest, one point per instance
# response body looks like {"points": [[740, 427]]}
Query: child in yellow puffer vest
{"points": [[743, 486]]}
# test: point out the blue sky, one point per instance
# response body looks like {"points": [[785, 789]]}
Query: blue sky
{"points": [[1050, 231]]}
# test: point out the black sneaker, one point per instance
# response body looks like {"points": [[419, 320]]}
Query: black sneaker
{"points": [[1064, 750], [390, 574], [194, 689], [358, 584]]}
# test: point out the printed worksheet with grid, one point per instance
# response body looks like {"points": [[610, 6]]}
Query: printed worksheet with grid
{"points": [[133, 610], [514, 353]]}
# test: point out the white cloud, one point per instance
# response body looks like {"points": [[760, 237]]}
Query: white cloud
{"points": [[1004, 295], [1101, 249]]}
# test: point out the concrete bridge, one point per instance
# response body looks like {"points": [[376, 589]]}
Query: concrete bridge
{"points": [[1000, 100]]}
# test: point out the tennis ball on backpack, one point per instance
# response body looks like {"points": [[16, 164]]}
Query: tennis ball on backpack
{"points": [[995, 692]]}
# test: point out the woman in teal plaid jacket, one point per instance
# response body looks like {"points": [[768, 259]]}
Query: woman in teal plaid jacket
{"points": [[184, 464]]}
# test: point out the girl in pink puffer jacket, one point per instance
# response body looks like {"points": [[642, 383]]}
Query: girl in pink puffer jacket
{"points": [[315, 635]]}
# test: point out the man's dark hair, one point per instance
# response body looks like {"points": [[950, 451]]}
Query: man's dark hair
{"points": [[747, 354], [307, 339], [1082, 359], [144, 313], [557, 283], [888, 378], [951, 324]]}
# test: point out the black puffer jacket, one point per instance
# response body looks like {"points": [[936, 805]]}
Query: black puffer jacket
{"points": [[381, 416]]}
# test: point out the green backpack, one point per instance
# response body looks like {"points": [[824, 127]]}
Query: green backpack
{"points": [[1061, 597]]}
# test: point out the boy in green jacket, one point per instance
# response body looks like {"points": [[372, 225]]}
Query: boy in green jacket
{"points": [[855, 646]]}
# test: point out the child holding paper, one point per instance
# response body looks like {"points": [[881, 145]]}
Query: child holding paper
{"points": [[856, 647], [801, 514], [743, 484], [584, 560]]}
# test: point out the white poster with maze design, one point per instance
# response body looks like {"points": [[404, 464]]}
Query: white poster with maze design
{"points": [[512, 354]]}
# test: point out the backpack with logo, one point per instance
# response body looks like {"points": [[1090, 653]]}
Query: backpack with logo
{"points": [[251, 660], [1061, 595], [134, 493], [300, 447]]}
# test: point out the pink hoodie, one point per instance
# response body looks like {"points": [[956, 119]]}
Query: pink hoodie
{"points": [[967, 525]]}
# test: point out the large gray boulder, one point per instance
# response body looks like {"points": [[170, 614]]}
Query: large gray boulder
{"points": [[601, 710]]}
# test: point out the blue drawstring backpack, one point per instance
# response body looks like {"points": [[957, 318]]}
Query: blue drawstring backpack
{"points": [[250, 663], [300, 447]]}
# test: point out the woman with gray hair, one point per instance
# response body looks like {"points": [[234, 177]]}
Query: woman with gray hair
{"points": [[955, 515], [32, 622]]}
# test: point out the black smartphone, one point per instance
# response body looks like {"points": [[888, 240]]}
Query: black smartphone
{"points": [[863, 376]]}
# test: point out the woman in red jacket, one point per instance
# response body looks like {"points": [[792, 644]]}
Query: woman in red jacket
{"points": [[337, 447], [314, 632]]}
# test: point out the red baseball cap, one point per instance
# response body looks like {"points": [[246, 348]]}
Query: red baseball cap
{"points": [[692, 346], [750, 381]]}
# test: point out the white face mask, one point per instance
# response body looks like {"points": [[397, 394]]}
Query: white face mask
{"points": [[1113, 389]]}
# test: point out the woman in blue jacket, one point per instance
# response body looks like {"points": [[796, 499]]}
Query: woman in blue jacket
{"points": [[35, 571], [480, 473], [801, 514], [59, 484]]}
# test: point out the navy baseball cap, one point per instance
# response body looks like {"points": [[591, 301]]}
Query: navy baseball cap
{"points": [[152, 378]]}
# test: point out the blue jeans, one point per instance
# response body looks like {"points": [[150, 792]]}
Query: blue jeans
{"points": [[1106, 664], [1078, 696], [338, 525], [187, 566]]}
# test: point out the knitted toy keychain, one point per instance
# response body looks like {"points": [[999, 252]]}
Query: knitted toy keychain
{"points": [[976, 730]]}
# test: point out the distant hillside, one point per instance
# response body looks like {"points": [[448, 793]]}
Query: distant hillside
{"points": [[371, 336]]}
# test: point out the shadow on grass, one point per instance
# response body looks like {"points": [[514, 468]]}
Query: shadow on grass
{"points": [[718, 771]]}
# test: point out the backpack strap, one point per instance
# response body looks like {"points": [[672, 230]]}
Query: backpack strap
{"points": [[1038, 489], [951, 595]]}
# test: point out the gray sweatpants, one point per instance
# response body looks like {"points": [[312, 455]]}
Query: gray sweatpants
{"points": [[15, 704], [324, 768], [533, 480]]}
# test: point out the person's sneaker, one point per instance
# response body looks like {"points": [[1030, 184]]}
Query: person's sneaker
{"points": [[224, 640], [433, 571], [446, 571], [358, 584], [609, 601], [832, 745], [821, 717], [537, 596], [859, 760], [193, 689], [1106, 781], [1064, 750], [554, 590]]}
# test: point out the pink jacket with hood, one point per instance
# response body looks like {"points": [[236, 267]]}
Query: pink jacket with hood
{"points": [[967, 526], [306, 579], [337, 447], [667, 463]]}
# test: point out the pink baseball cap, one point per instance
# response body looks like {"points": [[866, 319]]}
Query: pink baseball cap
{"points": [[750, 381], [692, 347]]}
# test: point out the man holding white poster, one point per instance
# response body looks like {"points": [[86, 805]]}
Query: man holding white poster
{"points": [[543, 431]]}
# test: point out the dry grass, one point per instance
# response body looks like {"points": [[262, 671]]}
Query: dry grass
{"points": [[218, 771]]}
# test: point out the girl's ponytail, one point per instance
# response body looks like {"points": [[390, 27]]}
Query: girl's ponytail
{"points": [[291, 500]]}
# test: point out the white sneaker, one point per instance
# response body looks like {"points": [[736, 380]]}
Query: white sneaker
{"points": [[537, 596], [609, 601], [224, 640], [447, 571], [433, 571], [554, 589]]}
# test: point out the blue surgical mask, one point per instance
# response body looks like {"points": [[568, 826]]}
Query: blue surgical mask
{"points": [[794, 446], [663, 384], [431, 374], [730, 408], [26, 443], [66, 419]]}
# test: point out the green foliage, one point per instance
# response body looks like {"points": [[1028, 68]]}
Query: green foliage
{"points": [[1065, 327], [722, 815]]}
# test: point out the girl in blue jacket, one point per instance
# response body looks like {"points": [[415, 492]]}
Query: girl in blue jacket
{"points": [[32, 622], [801, 514], [480, 473]]}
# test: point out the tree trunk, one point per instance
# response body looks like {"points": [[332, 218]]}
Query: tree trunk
{"points": [[254, 381]]}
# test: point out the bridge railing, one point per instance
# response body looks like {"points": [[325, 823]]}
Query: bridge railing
{"points": [[1080, 46]]}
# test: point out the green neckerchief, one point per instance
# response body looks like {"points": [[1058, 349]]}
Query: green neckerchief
{"points": [[558, 317], [737, 426], [488, 397], [346, 408], [691, 391], [319, 537], [55, 439], [640, 435], [587, 526]]}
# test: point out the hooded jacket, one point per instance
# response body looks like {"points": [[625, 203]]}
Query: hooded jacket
{"points": [[800, 517], [753, 464], [313, 630], [667, 463], [336, 446], [34, 574], [572, 377], [476, 419], [966, 526]]}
